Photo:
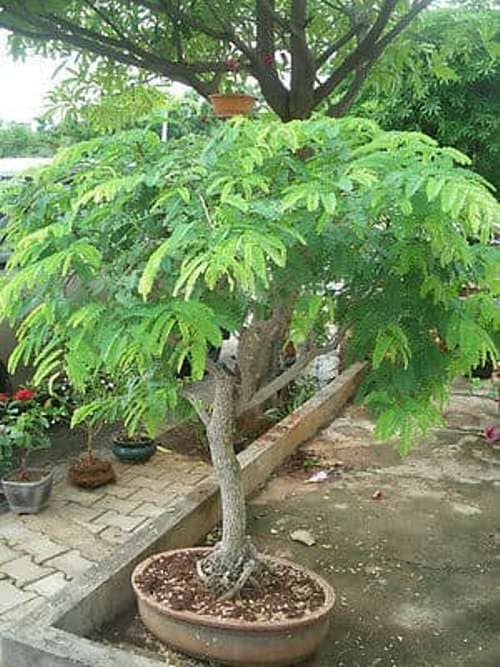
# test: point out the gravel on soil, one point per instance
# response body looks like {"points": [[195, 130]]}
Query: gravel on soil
{"points": [[279, 592]]}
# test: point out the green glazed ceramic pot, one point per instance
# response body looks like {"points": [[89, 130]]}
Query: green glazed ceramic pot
{"points": [[137, 451]]}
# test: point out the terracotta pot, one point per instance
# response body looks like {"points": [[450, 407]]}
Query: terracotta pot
{"points": [[235, 104], [231, 641]]}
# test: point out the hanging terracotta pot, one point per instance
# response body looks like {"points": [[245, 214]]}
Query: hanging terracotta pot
{"points": [[232, 104]]}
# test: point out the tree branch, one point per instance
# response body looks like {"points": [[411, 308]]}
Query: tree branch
{"points": [[343, 105], [272, 388], [124, 51], [370, 47], [197, 405], [106, 19], [335, 46], [264, 67], [415, 9], [303, 68], [269, 6], [357, 57]]}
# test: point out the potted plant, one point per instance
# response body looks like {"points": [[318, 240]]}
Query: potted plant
{"points": [[135, 448], [24, 428], [232, 102], [247, 231], [91, 471]]}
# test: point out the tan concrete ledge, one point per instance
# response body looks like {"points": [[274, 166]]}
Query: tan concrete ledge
{"points": [[53, 635]]}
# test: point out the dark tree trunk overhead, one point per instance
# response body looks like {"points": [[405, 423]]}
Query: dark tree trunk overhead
{"points": [[305, 54]]}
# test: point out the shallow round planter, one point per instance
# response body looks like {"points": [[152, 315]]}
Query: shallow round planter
{"points": [[137, 451], [236, 642], [234, 104], [28, 497]]}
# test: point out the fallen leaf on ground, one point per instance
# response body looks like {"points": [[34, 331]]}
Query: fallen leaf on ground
{"points": [[492, 434], [318, 477], [304, 537]]}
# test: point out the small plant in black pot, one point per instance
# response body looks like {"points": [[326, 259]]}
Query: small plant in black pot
{"points": [[137, 448], [23, 429]]}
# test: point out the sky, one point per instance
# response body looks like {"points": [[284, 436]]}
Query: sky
{"points": [[23, 85]]}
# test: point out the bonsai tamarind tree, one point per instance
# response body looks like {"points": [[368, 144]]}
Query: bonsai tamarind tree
{"points": [[132, 255]]}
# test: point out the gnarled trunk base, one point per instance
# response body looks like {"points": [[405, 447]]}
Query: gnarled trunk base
{"points": [[225, 571]]}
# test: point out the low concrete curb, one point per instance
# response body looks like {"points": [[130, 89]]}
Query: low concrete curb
{"points": [[57, 639]]}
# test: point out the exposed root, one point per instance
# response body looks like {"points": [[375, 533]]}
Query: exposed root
{"points": [[225, 573]]}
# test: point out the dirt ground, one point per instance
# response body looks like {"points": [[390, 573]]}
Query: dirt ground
{"points": [[411, 546]]}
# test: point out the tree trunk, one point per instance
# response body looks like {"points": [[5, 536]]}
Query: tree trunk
{"points": [[233, 560], [259, 350]]}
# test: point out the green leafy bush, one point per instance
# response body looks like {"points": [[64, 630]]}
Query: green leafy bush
{"points": [[132, 256], [443, 78]]}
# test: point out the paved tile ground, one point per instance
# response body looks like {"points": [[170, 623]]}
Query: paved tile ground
{"points": [[40, 554]]}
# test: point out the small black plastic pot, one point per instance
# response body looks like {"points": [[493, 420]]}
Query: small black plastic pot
{"points": [[133, 451]]}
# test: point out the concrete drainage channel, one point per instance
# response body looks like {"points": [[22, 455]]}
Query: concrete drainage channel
{"points": [[54, 636]]}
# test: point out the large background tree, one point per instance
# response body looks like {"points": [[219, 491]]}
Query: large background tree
{"points": [[449, 88], [303, 54]]}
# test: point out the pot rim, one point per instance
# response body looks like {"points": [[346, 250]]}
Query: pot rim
{"points": [[234, 624], [145, 441], [219, 96], [40, 481]]}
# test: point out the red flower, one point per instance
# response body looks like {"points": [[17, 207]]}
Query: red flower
{"points": [[268, 59], [4, 398], [24, 395], [232, 64]]}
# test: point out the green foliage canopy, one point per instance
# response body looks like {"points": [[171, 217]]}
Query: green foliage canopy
{"points": [[449, 88], [132, 255]]}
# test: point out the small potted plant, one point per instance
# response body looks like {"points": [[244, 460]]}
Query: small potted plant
{"points": [[90, 471], [24, 428], [135, 448], [231, 102]]}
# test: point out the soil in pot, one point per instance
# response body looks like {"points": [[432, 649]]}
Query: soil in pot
{"points": [[90, 472], [26, 476], [281, 591]]}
